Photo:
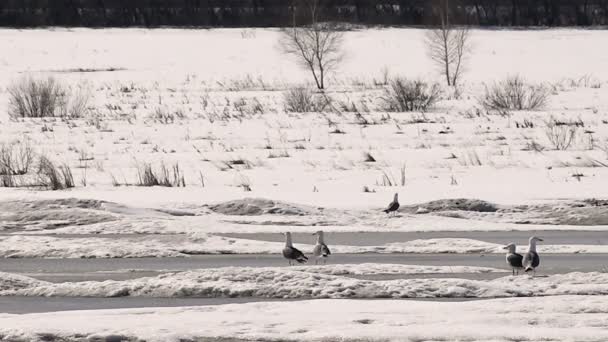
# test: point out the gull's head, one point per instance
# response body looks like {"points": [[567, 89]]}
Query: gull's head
{"points": [[535, 239], [318, 233], [510, 247], [288, 234], [396, 196]]}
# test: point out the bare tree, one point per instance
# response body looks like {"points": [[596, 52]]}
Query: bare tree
{"points": [[317, 45], [449, 47]]}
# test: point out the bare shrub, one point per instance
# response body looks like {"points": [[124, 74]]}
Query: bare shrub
{"points": [[16, 158], [584, 81], [448, 47], [31, 98], [560, 136], [248, 107], [404, 95], [317, 45], [163, 176], [78, 101], [302, 100], [37, 98], [514, 93], [54, 177], [68, 178]]}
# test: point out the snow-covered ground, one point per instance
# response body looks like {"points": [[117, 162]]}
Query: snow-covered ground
{"points": [[457, 168], [455, 151], [316, 282], [565, 318]]}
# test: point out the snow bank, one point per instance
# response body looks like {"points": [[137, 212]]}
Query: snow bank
{"points": [[564, 318], [140, 246], [12, 282], [260, 206], [51, 214], [275, 282]]}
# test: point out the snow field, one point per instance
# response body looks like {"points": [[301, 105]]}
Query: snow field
{"points": [[563, 318]]}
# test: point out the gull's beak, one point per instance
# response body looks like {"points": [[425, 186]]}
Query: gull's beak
{"points": [[505, 247], [539, 239]]}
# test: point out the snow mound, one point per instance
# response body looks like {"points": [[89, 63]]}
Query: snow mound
{"points": [[10, 281], [52, 214], [260, 206], [297, 283], [587, 212], [461, 204], [18, 246]]}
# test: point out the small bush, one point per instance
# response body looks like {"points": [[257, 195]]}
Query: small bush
{"points": [[16, 158], [403, 95], [514, 93], [560, 136], [78, 101], [54, 177], [303, 100], [163, 176], [37, 98], [31, 98]]}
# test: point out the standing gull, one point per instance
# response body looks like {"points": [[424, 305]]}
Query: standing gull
{"points": [[531, 260], [291, 253], [321, 250], [513, 259], [393, 206]]}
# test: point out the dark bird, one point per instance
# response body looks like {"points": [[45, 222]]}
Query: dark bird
{"points": [[321, 251], [393, 206], [291, 253], [513, 259], [531, 260]]}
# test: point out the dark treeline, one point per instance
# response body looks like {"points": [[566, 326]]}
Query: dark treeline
{"points": [[266, 13]]}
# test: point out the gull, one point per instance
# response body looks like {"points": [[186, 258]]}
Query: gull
{"points": [[321, 250], [291, 253], [513, 259], [531, 260], [393, 206]]}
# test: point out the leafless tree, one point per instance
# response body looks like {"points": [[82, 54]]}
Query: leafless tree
{"points": [[449, 46], [316, 45]]}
